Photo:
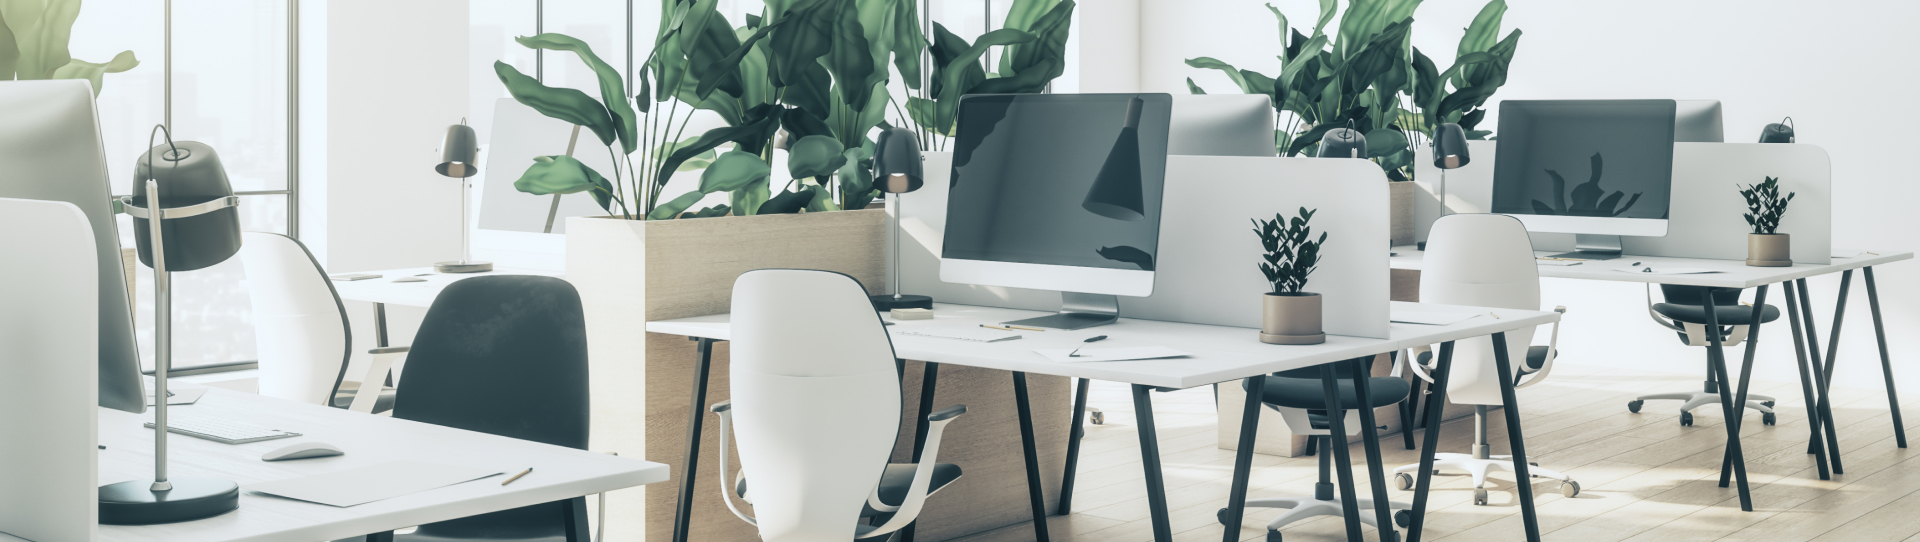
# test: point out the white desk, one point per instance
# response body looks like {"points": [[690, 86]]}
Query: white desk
{"points": [[384, 291], [1220, 354], [559, 473], [1815, 376]]}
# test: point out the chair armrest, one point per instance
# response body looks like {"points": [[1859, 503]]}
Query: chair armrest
{"points": [[1413, 363], [390, 350], [381, 363], [725, 410], [721, 407], [909, 508], [1553, 351], [941, 415]]}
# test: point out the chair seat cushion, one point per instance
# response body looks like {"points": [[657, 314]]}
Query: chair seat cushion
{"points": [[895, 481], [1728, 315], [1536, 358], [1308, 393]]}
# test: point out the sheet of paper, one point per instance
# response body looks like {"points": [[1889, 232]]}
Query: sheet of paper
{"points": [[1664, 270], [363, 485], [1561, 263], [180, 396], [1111, 354], [1433, 318]]}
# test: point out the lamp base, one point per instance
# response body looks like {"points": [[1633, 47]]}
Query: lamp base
{"points": [[136, 503], [887, 302], [463, 267]]}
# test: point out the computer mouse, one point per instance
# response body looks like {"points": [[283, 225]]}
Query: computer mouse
{"points": [[409, 279], [304, 450]]}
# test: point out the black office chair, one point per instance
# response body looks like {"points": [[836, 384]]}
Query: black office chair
{"points": [[503, 355], [1685, 312]]}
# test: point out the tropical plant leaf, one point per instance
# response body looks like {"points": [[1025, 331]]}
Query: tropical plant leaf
{"points": [[92, 72], [1193, 88], [1480, 36], [613, 88], [566, 104], [856, 179], [908, 42], [1209, 63], [952, 87], [1049, 48], [733, 171], [814, 156], [707, 142], [672, 208], [849, 59], [1385, 141], [747, 201], [822, 201], [786, 202], [564, 175], [730, 63], [798, 46]]}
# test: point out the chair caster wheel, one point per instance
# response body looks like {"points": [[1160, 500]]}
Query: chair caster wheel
{"points": [[1096, 416], [1403, 518], [1221, 516], [1273, 536], [1686, 419], [1569, 489], [1768, 404], [1769, 419], [1479, 496], [1634, 406], [1404, 481]]}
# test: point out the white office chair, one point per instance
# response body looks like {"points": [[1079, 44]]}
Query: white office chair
{"points": [[1485, 260], [817, 395], [300, 326], [1685, 312]]}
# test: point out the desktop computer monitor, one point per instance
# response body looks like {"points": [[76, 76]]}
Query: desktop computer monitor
{"points": [[1698, 121], [1597, 168], [50, 149], [1058, 192], [1221, 125]]}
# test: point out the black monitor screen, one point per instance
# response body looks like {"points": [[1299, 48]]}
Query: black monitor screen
{"points": [[1589, 158], [1058, 179]]}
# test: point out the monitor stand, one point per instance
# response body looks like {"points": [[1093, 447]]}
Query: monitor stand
{"points": [[1077, 311], [1593, 247]]}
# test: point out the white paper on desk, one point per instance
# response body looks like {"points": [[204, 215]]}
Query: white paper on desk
{"points": [[180, 396], [1663, 270], [1111, 354], [363, 485], [1433, 318]]}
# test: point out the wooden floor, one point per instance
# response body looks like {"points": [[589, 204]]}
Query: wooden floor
{"points": [[1644, 477]]}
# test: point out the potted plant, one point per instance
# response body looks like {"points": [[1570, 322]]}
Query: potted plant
{"points": [[1289, 315], [1765, 246]]}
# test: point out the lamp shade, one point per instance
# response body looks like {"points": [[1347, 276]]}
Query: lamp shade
{"points": [[1116, 191], [1342, 143], [1450, 147], [459, 157], [896, 164], [1779, 132], [187, 173]]}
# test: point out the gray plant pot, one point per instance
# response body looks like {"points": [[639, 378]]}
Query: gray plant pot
{"points": [[1291, 319], [1769, 250]]}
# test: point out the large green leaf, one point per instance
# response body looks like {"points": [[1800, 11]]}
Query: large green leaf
{"points": [[1233, 73], [613, 88], [856, 179], [40, 30], [908, 43], [814, 156], [1365, 19], [747, 201], [1385, 141], [9, 51], [568, 105], [798, 45], [1327, 9], [80, 69], [1481, 34], [733, 171], [786, 202], [713, 138], [706, 49], [1193, 88], [730, 64], [811, 89], [822, 201], [564, 175], [849, 59], [1041, 18], [878, 25], [951, 86], [672, 208]]}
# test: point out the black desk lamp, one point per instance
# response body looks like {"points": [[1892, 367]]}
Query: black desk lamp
{"points": [[897, 170], [1779, 132], [1449, 152], [1342, 143], [184, 186], [459, 159]]}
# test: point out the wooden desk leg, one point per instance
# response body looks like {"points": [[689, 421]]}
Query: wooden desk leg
{"points": [[1517, 442], [1717, 362], [1243, 458], [1746, 371], [1343, 465], [1150, 462], [1370, 442], [683, 516], [1824, 403], [1807, 386], [1036, 495], [1073, 449], [1436, 402], [929, 379], [1886, 362]]}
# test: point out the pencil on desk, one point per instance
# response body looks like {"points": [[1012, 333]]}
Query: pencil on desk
{"points": [[517, 476], [991, 326], [1023, 327]]}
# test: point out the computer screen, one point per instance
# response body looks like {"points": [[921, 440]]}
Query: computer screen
{"points": [[1698, 121], [1221, 125], [1603, 166], [1069, 180]]}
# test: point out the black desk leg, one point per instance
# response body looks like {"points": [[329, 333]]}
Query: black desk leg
{"points": [[1035, 494], [1819, 449], [1746, 371], [683, 516], [1511, 406], [1407, 406], [1337, 445], [1823, 402], [1436, 402], [1150, 462], [1370, 442], [380, 537], [1886, 362], [1074, 432], [929, 379], [576, 517], [1243, 457], [1717, 362], [1826, 376]]}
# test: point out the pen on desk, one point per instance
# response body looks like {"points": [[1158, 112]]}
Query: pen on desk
{"points": [[1023, 327], [517, 476], [1496, 315], [991, 326], [1076, 352]]}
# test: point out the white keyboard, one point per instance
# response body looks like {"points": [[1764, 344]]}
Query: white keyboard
{"points": [[223, 431], [976, 334]]}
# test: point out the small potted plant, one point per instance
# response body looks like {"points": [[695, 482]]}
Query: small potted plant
{"points": [[1288, 315], [1765, 247]]}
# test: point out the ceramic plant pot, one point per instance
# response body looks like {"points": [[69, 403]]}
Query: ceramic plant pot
{"points": [[1769, 250], [1291, 319]]}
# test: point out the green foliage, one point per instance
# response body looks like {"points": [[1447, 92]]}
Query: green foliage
{"points": [[1290, 253], [1764, 205], [1032, 46], [33, 44], [565, 175], [1587, 197]]}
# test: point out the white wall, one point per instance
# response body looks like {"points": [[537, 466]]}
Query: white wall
{"points": [[1826, 66]]}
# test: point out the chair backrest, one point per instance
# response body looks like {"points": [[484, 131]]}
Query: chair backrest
{"points": [[504, 355], [49, 345], [816, 400], [299, 325], [1481, 260]]}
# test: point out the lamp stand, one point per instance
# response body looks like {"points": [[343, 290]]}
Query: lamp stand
{"points": [[896, 300], [1444, 211], [466, 263], [164, 500]]}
